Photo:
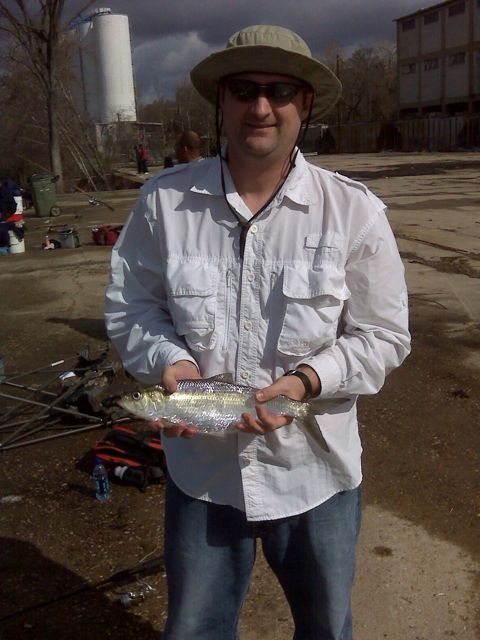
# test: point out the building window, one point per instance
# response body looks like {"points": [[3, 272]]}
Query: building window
{"points": [[431, 17], [406, 69], [408, 24], [428, 65], [456, 9], [456, 58]]}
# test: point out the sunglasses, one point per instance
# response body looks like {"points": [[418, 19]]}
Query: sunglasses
{"points": [[249, 91]]}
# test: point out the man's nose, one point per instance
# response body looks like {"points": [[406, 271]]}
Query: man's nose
{"points": [[261, 105]]}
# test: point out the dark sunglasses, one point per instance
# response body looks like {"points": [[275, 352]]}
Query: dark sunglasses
{"points": [[248, 90]]}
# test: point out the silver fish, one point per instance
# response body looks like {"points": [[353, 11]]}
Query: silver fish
{"points": [[214, 406]]}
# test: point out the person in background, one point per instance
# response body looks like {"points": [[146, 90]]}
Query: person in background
{"points": [[9, 190], [136, 150], [143, 158], [4, 238], [188, 147], [257, 263]]}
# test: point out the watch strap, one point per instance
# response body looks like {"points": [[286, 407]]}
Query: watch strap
{"points": [[304, 378]]}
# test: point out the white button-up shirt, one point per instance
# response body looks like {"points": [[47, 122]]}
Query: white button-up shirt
{"points": [[321, 283]]}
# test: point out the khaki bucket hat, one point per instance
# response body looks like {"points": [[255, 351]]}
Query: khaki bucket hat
{"points": [[268, 49]]}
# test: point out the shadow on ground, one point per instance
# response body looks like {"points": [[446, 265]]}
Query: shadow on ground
{"points": [[30, 579], [91, 327]]}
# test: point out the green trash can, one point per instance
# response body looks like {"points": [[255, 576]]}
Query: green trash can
{"points": [[44, 195]]}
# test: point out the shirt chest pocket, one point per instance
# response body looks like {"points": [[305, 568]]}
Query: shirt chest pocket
{"points": [[313, 302], [192, 300]]}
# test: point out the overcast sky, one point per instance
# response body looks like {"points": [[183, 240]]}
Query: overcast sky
{"points": [[170, 36]]}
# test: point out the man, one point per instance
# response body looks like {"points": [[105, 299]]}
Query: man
{"points": [[142, 158], [258, 264], [136, 150], [9, 194], [188, 147]]}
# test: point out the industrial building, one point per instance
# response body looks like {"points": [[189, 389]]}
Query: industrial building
{"points": [[438, 50], [105, 64]]}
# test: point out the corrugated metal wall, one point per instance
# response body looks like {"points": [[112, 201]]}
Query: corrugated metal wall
{"points": [[422, 134]]}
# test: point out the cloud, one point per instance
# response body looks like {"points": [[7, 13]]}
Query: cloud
{"points": [[161, 64], [169, 38]]}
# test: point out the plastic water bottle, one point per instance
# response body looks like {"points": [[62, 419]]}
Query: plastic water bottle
{"points": [[101, 482]]}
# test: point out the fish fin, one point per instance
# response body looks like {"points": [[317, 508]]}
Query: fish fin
{"points": [[318, 406], [222, 377], [321, 405]]}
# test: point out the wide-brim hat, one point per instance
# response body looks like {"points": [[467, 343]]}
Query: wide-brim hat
{"points": [[268, 49]]}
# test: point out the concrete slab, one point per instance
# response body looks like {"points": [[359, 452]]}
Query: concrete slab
{"points": [[448, 290], [418, 550], [433, 206]]}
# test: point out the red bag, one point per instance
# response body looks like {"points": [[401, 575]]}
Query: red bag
{"points": [[106, 235]]}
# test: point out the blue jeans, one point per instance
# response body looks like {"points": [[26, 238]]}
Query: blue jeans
{"points": [[209, 557]]}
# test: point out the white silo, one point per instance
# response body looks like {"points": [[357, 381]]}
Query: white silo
{"points": [[106, 67]]}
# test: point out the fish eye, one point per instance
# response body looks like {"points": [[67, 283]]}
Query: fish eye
{"points": [[136, 395]]}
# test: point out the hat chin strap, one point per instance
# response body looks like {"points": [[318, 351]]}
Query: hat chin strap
{"points": [[246, 224], [305, 124], [218, 124]]}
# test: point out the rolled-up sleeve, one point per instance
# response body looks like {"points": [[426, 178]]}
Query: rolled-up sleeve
{"points": [[373, 334]]}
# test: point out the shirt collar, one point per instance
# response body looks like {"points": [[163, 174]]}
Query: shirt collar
{"points": [[209, 182], [297, 187]]}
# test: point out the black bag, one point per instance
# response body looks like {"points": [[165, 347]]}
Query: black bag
{"points": [[133, 457]]}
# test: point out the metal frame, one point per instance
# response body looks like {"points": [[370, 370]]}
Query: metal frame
{"points": [[38, 405]]}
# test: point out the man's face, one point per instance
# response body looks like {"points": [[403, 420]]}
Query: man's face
{"points": [[264, 127], [182, 153]]}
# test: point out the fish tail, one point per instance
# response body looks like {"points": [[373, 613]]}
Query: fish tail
{"points": [[312, 428]]}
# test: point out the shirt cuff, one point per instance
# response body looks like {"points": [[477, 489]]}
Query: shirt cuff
{"points": [[328, 371], [174, 355]]}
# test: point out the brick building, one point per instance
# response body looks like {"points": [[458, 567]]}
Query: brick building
{"points": [[438, 51]]}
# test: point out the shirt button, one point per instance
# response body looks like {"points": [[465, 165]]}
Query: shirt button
{"points": [[247, 325], [250, 276], [245, 375], [254, 228]]}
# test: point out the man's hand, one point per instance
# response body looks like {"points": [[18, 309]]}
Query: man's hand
{"points": [[290, 386], [181, 370]]}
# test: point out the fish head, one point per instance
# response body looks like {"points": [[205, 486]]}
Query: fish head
{"points": [[143, 403]]}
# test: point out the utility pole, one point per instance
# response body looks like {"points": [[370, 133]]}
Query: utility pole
{"points": [[339, 129]]}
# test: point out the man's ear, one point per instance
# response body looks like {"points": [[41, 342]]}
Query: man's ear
{"points": [[221, 95], [308, 98]]}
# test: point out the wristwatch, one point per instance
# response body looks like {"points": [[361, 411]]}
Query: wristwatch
{"points": [[305, 379]]}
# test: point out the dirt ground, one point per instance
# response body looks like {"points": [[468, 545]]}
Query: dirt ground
{"points": [[419, 551]]}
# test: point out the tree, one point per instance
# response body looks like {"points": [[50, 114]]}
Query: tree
{"points": [[188, 110], [369, 81], [24, 135], [193, 111], [37, 34]]}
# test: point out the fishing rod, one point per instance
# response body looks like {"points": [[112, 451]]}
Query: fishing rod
{"points": [[126, 575]]}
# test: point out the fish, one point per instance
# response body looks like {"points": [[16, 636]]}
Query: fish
{"points": [[214, 406]]}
